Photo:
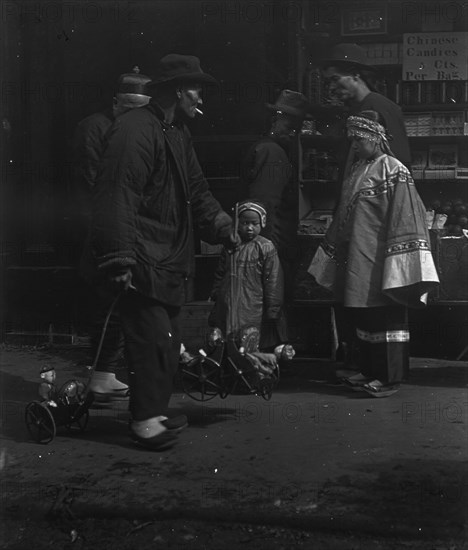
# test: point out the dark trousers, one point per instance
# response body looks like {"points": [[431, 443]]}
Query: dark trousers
{"points": [[383, 336], [152, 349]]}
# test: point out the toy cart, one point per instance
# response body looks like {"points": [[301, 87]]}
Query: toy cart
{"points": [[226, 367], [72, 411], [72, 401]]}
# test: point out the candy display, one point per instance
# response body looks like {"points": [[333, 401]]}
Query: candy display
{"points": [[456, 211]]}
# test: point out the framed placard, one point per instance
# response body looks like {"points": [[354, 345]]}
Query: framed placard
{"points": [[435, 56], [364, 20]]}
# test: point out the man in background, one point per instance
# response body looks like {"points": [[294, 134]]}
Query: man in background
{"points": [[89, 144], [267, 171], [350, 78]]}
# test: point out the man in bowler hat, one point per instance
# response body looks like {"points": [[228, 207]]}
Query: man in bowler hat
{"points": [[150, 191], [267, 171]]}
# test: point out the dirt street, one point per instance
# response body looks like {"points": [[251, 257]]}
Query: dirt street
{"points": [[316, 467]]}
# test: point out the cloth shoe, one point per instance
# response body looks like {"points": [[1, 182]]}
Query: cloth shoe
{"points": [[158, 433], [106, 387]]}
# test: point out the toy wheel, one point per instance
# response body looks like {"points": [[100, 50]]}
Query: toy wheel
{"points": [[267, 385], [201, 378], [79, 423], [236, 382], [40, 422]]}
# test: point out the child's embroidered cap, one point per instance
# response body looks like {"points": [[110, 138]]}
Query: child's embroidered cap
{"points": [[255, 207]]}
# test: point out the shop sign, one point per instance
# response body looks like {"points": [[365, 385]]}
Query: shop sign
{"points": [[435, 56]]}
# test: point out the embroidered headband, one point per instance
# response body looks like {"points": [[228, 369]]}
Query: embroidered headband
{"points": [[255, 207], [365, 128]]}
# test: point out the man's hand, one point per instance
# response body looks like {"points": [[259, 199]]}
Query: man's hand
{"points": [[121, 280], [232, 242]]}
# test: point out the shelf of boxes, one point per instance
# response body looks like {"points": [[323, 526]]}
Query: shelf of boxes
{"points": [[440, 123]]}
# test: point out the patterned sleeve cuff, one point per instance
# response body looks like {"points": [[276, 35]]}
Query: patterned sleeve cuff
{"points": [[107, 263]]}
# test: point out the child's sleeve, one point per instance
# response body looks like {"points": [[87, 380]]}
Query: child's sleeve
{"points": [[273, 284]]}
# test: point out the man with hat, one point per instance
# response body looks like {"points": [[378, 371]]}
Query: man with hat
{"points": [[150, 190], [350, 78], [267, 171], [89, 143]]}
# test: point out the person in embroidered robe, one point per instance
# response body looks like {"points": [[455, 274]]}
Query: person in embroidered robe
{"points": [[376, 255]]}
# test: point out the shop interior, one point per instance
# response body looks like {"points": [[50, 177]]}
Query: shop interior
{"points": [[60, 62]]}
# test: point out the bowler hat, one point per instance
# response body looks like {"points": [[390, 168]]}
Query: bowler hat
{"points": [[348, 54], [133, 83], [292, 103], [180, 68]]}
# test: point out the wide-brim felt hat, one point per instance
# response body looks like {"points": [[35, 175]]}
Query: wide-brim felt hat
{"points": [[348, 54], [180, 68], [292, 103]]}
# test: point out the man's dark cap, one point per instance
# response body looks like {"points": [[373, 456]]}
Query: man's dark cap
{"points": [[133, 83]]}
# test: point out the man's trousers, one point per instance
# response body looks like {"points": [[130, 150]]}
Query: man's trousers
{"points": [[152, 349]]}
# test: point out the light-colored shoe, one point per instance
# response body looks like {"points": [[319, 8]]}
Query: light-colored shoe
{"points": [[106, 387]]}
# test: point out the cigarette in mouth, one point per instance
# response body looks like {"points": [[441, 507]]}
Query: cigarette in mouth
{"points": [[198, 111]]}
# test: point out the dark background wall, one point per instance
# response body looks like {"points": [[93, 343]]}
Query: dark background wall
{"points": [[61, 61]]}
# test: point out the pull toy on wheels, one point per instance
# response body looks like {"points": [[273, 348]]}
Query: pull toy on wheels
{"points": [[68, 407], [232, 366]]}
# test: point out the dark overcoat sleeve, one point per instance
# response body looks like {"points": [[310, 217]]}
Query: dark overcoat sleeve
{"points": [[126, 166]]}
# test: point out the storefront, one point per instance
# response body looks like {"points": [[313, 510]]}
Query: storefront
{"points": [[61, 60]]}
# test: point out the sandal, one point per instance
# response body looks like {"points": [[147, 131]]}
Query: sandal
{"points": [[356, 382], [377, 389], [345, 373]]}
